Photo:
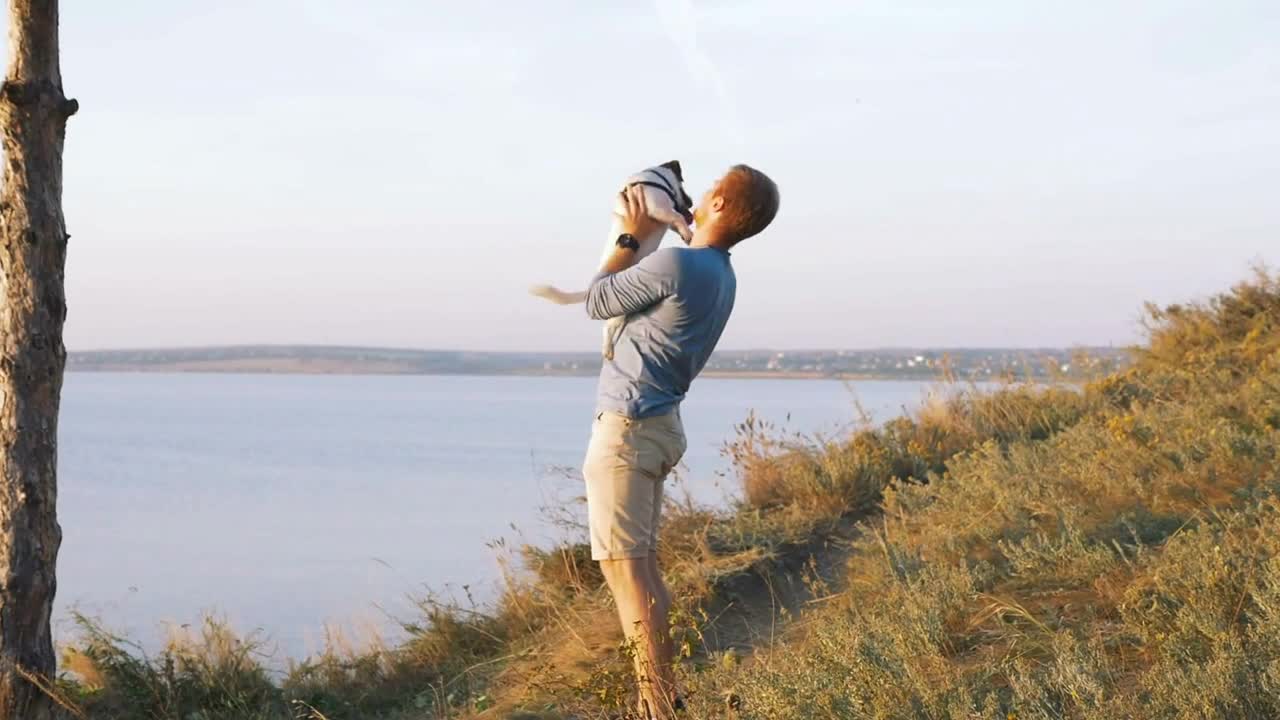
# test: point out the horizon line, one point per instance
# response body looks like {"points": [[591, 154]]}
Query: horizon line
{"points": [[401, 348]]}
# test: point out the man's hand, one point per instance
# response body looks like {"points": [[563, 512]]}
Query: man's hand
{"points": [[635, 221], [635, 213]]}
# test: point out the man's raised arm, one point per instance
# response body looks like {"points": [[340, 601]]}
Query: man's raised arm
{"points": [[635, 288], [613, 293]]}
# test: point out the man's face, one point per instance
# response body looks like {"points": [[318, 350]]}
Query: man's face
{"points": [[705, 210]]}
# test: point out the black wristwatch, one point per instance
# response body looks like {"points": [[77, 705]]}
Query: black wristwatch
{"points": [[627, 240]]}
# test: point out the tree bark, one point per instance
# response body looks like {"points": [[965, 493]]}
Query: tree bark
{"points": [[33, 249]]}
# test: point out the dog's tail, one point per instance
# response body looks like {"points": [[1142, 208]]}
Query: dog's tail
{"points": [[558, 296]]}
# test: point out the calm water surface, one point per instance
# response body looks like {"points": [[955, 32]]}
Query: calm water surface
{"points": [[285, 502]]}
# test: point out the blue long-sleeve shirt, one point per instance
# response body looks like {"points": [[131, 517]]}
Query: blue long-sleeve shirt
{"points": [[677, 302]]}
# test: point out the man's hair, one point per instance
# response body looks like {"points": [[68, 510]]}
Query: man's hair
{"points": [[750, 202]]}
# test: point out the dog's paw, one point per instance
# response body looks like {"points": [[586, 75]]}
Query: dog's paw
{"points": [[683, 230]]}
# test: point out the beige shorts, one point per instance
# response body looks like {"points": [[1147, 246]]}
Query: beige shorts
{"points": [[627, 462]]}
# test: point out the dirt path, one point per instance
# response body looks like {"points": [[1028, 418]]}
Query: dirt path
{"points": [[755, 609], [747, 612]]}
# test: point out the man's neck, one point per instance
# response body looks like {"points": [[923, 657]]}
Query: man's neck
{"points": [[708, 237]]}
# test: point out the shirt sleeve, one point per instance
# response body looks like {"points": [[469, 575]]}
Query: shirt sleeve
{"points": [[634, 289]]}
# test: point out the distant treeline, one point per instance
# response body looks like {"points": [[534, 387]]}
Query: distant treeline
{"points": [[882, 363]]}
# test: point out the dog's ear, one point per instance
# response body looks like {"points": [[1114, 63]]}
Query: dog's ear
{"points": [[674, 166]]}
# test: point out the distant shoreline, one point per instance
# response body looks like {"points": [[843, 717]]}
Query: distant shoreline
{"points": [[876, 364], [269, 370]]}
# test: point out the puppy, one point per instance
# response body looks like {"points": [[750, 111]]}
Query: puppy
{"points": [[668, 203]]}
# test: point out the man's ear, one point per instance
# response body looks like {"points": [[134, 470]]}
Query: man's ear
{"points": [[717, 203], [674, 166]]}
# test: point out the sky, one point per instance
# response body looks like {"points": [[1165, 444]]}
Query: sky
{"points": [[397, 173]]}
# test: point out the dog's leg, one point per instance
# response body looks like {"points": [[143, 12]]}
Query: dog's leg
{"points": [[673, 220], [612, 330]]}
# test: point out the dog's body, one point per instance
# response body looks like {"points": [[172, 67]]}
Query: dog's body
{"points": [[668, 203]]}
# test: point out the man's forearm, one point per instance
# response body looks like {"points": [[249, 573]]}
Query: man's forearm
{"points": [[621, 259], [632, 289]]}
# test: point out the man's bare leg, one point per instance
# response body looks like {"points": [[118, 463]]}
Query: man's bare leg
{"points": [[656, 574], [643, 603], [666, 646]]}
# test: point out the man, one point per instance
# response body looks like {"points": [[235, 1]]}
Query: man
{"points": [[677, 302]]}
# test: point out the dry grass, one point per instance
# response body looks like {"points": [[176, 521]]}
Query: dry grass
{"points": [[1116, 556], [1104, 551]]}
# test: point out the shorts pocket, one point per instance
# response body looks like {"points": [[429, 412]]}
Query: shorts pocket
{"points": [[611, 448]]}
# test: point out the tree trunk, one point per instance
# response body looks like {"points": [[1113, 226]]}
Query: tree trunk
{"points": [[33, 250]]}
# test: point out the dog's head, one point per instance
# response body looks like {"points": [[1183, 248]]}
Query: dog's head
{"points": [[684, 203]]}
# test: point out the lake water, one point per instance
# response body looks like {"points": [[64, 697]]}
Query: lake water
{"points": [[288, 502]]}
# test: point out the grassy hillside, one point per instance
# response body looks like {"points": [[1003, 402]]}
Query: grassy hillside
{"points": [[1122, 564], [1102, 551]]}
